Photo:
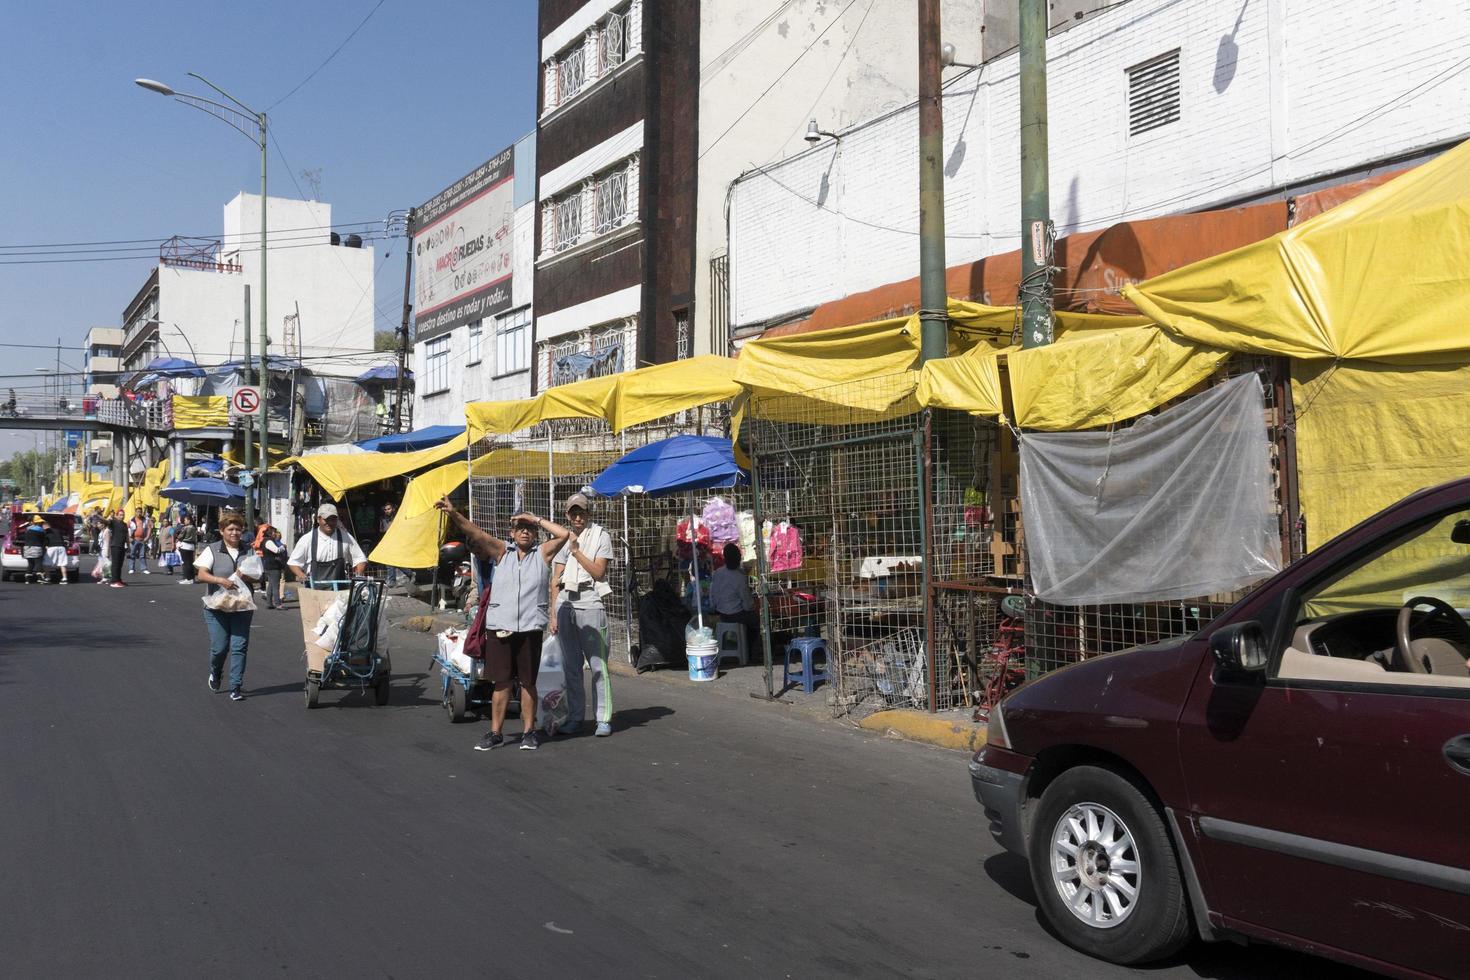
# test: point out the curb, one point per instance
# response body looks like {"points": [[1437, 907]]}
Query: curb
{"points": [[917, 726]]}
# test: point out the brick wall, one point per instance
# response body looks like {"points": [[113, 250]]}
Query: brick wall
{"points": [[1273, 93]]}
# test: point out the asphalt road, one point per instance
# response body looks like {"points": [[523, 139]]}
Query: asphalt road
{"points": [[151, 828]]}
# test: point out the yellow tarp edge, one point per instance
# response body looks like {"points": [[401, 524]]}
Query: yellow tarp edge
{"points": [[337, 473], [201, 411], [412, 540]]}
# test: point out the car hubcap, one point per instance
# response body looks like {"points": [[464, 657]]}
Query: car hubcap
{"points": [[1095, 865]]}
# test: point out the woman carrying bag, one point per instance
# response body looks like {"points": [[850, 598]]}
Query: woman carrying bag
{"points": [[228, 566]]}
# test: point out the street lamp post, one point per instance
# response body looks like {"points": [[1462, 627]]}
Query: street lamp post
{"points": [[252, 125]]}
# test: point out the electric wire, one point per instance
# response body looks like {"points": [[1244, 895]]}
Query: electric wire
{"points": [[335, 51]]}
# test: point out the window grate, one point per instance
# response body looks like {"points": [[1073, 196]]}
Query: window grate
{"points": [[1153, 93], [571, 73], [612, 200], [611, 41]]}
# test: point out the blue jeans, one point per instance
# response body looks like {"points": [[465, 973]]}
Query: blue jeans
{"points": [[229, 633], [137, 555]]}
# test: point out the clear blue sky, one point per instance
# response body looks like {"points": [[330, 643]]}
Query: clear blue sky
{"points": [[423, 93]]}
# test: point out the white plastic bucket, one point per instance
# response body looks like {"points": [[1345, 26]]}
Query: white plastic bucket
{"points": [[704, 660]]}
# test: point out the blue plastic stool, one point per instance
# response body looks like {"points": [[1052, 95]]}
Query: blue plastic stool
{"points": [[806, 648]]}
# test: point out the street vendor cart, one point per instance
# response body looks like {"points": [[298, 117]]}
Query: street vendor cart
{"points": [[346, 641]]}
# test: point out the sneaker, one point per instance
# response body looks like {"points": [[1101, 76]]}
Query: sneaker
{"points": [[214, 682], [492, 740], [146, 572], [604, 729], [186, 581], [117, 585], [237, 695], [531, 740]]}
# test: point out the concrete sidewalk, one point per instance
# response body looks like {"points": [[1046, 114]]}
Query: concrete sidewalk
{"points": [[948, 730]]}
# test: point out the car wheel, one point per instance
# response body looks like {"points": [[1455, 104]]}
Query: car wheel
{"points": [[1104, 869]]}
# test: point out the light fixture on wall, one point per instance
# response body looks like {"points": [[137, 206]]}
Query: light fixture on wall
{"points": [[946, 57], [814, 134]]}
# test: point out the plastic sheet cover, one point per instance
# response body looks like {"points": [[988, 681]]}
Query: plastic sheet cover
{"points": [[1177, 506]]}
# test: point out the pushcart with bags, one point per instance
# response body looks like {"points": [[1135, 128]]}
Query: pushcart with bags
{"points": [[346, 639]]}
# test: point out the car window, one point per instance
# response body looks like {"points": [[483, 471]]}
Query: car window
{"points": [[1347, 628]]}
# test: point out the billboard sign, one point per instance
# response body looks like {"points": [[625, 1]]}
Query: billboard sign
{"points": [[462, 249]]}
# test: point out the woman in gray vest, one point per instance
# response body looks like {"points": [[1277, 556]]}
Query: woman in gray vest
{"points": [[229, 632], [515, 613]]}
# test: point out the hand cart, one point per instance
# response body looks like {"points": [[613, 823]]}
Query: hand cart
{"points": [[462, 692], [354, 661]]}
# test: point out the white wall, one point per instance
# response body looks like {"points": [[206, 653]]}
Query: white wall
{"points": [[332, 284], [1314, 88], [846, 64]]}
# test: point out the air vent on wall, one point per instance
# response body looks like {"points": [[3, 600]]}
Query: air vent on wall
{"points": [[1153, 93]]}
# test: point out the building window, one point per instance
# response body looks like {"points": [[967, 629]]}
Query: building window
{"points": [[567, 227], [1153, 93], [436, 365], [594, 353], [571, 73], [612, 47], [601, 204], [681, 335], [512, 341], [472, 355], [592, 55]]}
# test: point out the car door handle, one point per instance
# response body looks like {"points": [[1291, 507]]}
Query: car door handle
{"points": [[1457, 753]]}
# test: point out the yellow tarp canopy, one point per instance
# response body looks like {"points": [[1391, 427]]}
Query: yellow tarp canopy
{"points": [[969, 382], [412, 540], [154, 479], [1384, 275], [1091, 378], [337, 473], [201, 411], [625, 399], [512, 463]]}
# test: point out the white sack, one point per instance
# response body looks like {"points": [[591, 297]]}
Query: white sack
{"points": [[1177, 506]]}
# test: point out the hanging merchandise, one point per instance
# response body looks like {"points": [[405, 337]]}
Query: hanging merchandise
{"points": [[1176, 506], [720, 517], [786, 551], [701, 532], [746, 521], [977, 507]]}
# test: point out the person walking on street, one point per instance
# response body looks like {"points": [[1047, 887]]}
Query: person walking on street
{"points": [[33, 549], [273, 558], [117, 546], [186, 539], [167, 555], [140, 529], [515, 613], [229, 632], [321, 557], [579, 619], [94, 530]]}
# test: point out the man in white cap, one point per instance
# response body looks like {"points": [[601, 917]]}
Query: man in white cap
{"points": [[579, 619], [322, 556]]}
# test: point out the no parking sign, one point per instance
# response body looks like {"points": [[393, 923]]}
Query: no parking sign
{"points": [[245, 401]]}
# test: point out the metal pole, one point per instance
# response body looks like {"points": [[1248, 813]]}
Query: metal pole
{"points": [[1035, 293], [761, 571], [264, 373], [629, 580], [403, 326], [933, 303], [249, 495]]}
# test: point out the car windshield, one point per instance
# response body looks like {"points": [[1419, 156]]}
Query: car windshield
{"points": [[1434, 561]]}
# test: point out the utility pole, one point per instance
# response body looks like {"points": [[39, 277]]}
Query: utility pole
{"points": [[403, 325], [264, 373], [1036, 231], [249, 496], [933, 303]]}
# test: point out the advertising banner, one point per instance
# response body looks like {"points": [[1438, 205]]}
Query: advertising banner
{"points": [[462, 249]]}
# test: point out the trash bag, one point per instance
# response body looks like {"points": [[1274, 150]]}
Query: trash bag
{"points": [[661, 620]]}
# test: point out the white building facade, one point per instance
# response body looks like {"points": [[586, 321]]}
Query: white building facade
{"points": [[320, 303], [488, 359], [1156, 107]]}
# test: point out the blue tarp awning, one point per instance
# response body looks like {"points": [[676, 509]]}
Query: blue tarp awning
{"points": [[384, 372], [405, 442], [208, 465], [672, 466], [204, 490], [174, 367]]}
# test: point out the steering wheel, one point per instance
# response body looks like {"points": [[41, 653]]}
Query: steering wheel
{"points": [[1440, 608]]}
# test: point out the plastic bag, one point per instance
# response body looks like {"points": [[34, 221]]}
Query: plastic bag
{"points": [[236, 598], [251, 567]]}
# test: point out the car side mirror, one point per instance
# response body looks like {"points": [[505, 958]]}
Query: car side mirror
{"points": [[1460, 533], [1240, 648]]}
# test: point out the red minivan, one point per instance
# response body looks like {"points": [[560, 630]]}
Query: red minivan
{"points": [[1297, 772]]}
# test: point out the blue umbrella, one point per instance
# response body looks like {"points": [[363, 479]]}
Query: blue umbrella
{"points": [[425, 438], [204, 490], [677, 465], [174, 367], [671, 466]]}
